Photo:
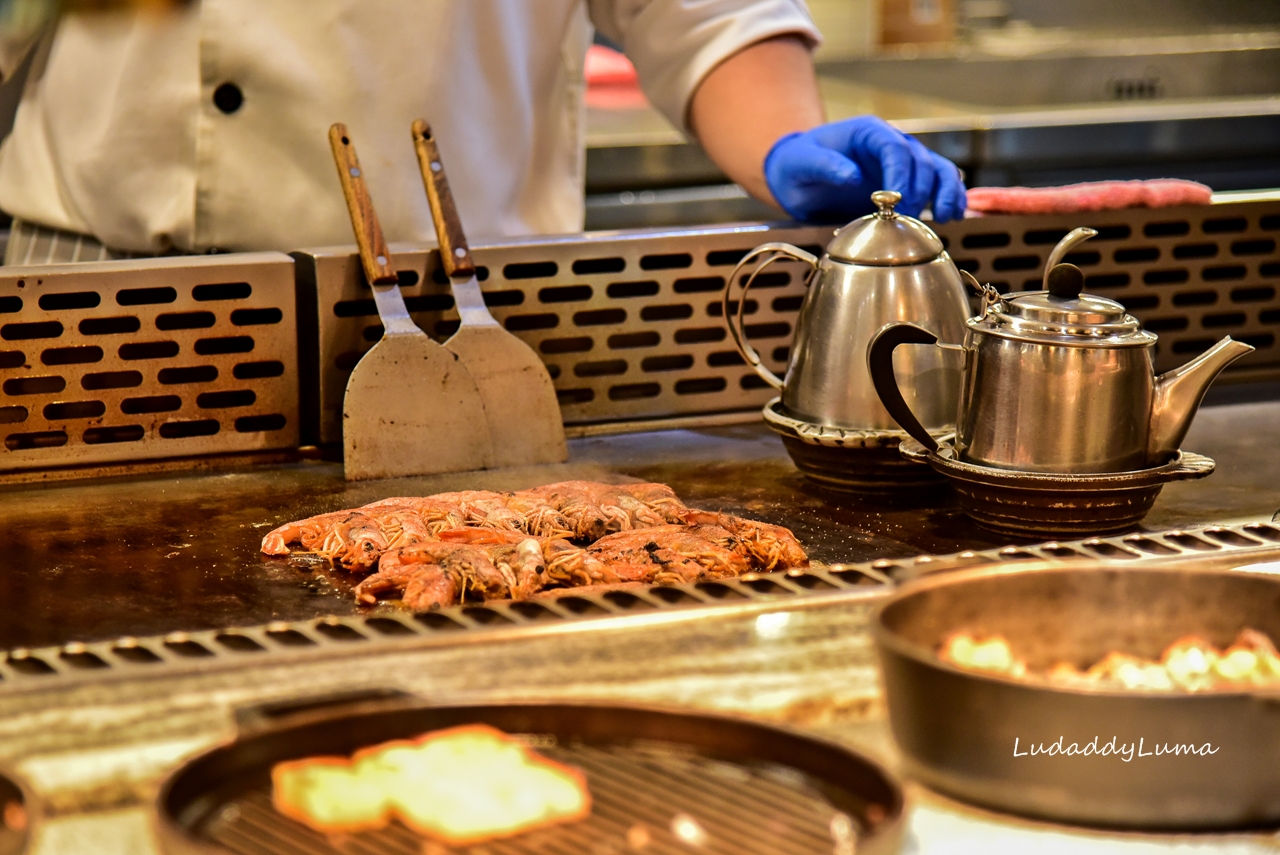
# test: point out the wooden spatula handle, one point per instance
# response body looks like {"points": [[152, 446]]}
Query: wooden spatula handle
{"points": [[454, 252], [374, 255]]}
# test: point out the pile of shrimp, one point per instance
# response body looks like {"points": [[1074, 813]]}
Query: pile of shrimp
{"points": [[440, 550]]}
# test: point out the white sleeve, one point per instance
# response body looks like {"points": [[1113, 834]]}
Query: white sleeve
{"points": [[22, 22], [675, 43]]}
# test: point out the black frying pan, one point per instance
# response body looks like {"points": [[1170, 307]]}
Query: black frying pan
{"points": [[15, 817], [750, 788], [957, 728]]}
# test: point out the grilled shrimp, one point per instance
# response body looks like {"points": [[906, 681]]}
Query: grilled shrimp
{"points": [[494, 513], [666, 554], [630, 513], [436, 514], [355, 542], [486, 509], [439, 550], [468, 567], [518, 557], [525, 562], [540, 517], [311, 530], [401, 525], [660, 498], [508, 511], [562, 563], [597, 509], [392, 575], [721, 537], [430, 588], [573, 500], [401, 521], [769, 547], [570, 565]]}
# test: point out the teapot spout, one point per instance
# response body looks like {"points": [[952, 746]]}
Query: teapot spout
{"points": [[1178, 395]]}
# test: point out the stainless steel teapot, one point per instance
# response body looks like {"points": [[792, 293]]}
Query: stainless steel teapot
{"points": [[880, 268], [1058, 381]]}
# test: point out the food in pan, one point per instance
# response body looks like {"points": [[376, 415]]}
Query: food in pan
{"points": [[982, 654], [14, 816], [461, 786], [1190, 664], [439, 550]]}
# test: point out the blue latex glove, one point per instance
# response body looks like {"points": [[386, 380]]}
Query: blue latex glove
{"points": [[828, 174]]}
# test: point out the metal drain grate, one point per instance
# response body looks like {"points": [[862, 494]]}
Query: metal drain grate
{"points": [[1241, 543], [144, 359], [655, 800], [629, 325], [1191, 275]]}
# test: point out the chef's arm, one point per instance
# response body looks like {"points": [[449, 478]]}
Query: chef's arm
{"points": [[759, 116], [750, 101]]}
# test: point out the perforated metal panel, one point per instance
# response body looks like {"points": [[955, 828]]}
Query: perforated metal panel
{"points": [[144, 359], [629, 325], [1191, 275]]}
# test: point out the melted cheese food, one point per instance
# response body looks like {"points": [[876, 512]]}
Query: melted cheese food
{"points": [[1190, 664], [462, 785]]}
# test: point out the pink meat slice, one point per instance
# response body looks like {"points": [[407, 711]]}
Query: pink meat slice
{"points": [[1091, 196]]}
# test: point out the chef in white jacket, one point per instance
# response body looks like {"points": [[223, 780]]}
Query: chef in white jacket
{"points": [[204, 127]]}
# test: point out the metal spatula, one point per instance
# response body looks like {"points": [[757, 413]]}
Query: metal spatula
{"points": [[411, 406], [524, 417]]}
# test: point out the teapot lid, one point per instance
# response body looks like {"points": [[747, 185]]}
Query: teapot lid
{"points": [[885, 238], [1062, 314], [1063, 302]]}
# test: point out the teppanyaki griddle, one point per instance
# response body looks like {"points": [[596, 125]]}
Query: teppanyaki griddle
{"points": [[959, 729], [658, 779], [154, 554]]}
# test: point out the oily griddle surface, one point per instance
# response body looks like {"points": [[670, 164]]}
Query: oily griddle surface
{"points": [[152, 554]]}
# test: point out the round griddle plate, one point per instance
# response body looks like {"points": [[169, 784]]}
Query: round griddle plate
{"points": [[660, 782]]}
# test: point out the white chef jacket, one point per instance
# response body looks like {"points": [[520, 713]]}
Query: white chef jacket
{"points": [[119, 135]]}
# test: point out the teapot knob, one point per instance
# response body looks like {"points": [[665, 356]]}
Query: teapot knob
{"points": [[884, 201], [1065, 281], [1073, 239]]}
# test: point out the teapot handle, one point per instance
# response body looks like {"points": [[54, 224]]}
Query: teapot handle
{"points": [[880, 364], [778, 250]]}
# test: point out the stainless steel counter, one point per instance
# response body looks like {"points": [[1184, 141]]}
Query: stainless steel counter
{"points": [[96, 753]]}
